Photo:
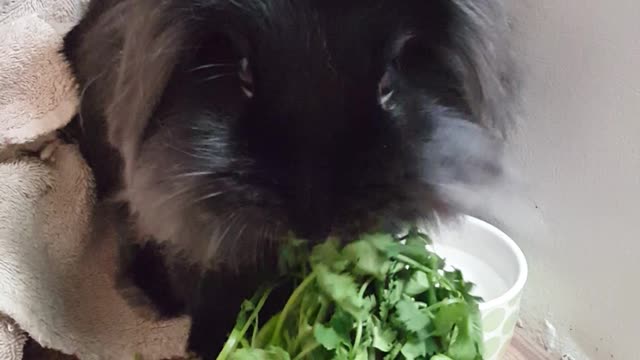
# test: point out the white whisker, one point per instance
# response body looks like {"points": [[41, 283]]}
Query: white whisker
{"points": [[174, 195], [190, 154], [195, 174], [209, 66], [215, 244], [231, 222], [239, 234], [81, 98], [217, 77], [209, 196]]}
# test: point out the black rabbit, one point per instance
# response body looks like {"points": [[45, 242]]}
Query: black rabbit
{"points": [[221, 125]]}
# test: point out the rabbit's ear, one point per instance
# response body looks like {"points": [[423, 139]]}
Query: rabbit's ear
{"points": [[151, 46]]}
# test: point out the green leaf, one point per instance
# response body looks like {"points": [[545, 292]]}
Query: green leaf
{"points": [[383, 339], [394, 353], [342, 289], [327, 337], [431, 346], [396, 289], [361, 354], [367, 259], [448, 315], [266, 331], [416, 248], [475, 327], [463, 346], [384, 307], [328, 254], [247, 306], [440, 357], [273, 353], [421, 234], [411, 316], [413, 349], [342, 323], [456, 278], [376, 298], [341, 354], [417, 284], [381, 241], [385, 243], [293, 255]]}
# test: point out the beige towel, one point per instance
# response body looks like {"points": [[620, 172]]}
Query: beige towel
{"points": [[56, 266], [12, 339]]}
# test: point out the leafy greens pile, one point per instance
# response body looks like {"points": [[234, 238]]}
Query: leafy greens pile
{"points": [[376, 298]]}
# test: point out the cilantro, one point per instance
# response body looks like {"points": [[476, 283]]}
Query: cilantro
{"points": [[418, 283], [380, 297], [327, 337], [414, 349], [383, 338], [412, 318], [272, 353]]}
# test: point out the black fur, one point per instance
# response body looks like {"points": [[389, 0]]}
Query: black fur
{"points": [[212, 176]]}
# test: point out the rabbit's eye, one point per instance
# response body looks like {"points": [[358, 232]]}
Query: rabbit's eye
{"points": [[385, 92], [246, 77]]}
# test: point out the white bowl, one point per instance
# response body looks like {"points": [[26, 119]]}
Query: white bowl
{"points": [[491, 260]]}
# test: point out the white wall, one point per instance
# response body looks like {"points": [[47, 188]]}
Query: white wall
{"points": [[580, 152]]}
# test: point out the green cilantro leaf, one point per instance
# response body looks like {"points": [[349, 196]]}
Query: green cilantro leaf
{"points": [[463, 346], [327, 337], [440, 357], [449, 314], [342, 323], [342, 289], [377, 298], [367, 259], [383, 338], [414, 349], [418, 283], [412, 318]]}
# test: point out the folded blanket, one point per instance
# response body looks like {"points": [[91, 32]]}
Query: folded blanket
{"points": [[58, 252], [12, 339]]}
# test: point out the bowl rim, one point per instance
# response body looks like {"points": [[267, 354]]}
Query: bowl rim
{"points": [[523, 268]]}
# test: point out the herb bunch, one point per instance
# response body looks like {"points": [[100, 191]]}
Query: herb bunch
{"points": [[377, 298]]}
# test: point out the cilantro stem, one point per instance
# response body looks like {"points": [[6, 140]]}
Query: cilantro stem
{"points": [[356, 343], [256, 326], [237, 336], [297, 293], [433, 298], [265, 332], [301, 338], [303, 314], [322, 313], [395, 351], [303, 354], [364, 287]]}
